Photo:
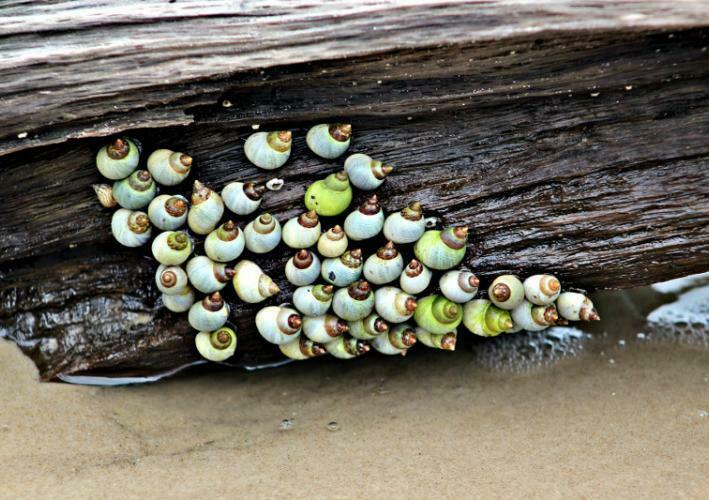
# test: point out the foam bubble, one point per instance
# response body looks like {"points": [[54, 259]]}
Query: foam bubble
{"points": [[685, 321]]}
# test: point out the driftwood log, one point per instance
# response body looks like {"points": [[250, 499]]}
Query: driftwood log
{"points": [[570, 139]]}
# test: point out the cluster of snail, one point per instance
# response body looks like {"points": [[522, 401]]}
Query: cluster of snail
{"points": [[344, 315]]}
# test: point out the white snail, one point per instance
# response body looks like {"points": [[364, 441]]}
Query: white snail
{"points": [[542, 289], [243, 198], [354, 302], [208, 276], [397, 341], [415, 278], [343, 270], [532, 318], [369, 327], [131, 229], [268, 150], [459, 286], [506, 292], [262, 234], [180, 302], [278, 324], [394, 305], [207, 208], [119, 159], [445, 341], [576, 307], [329, 140], [172, 248], [171, 280], [217, 345], [168, 167], [303, 268], [384, 266], [302, 348], [406, 226], [323, 328], [302, 231], [313, 300], [167, 212], [209, 313], [135, 191], [365, 222], [225, 244], [251, 284], [346, 347], [333, 242], [365, 173]]}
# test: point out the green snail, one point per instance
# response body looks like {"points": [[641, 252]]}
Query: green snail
{"points": [[172, 248], [506, 292], [269, 150], [406, 226], [343, 270], [302, 231], [329, 141], [104, 194], [303, 268], [217, 345], [278, 324], [444, 341], [313, 300], [329, 196], [251, 284], [171, 280], [208, 314], [263, 234], [119, 159], [208, 276], [365, 173], [393, 304], [459, 286], [346, 347], [179, 302], [542, 289], [397, 341], [354, 302], [333, 242], [167, 212], [243, 198], [438, 315], [225, 244], [168, 167], [484, 318], [129, 228], [442, 250], [415, 278], [207, 208], [323, 328], [302, 348], [533, 318], [365, 222], [369, 327], [576, 307], [135, 191], [384, 266]]}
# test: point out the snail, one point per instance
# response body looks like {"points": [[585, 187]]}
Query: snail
{"points": [[576, 307], [406, 226], [442, 250], [131, 229], [333, 242], [268, 150], [104, 194], [168, 167], [167, 212], [329, 196], [346, 347], [365, 222], [135, 191], [323, 328], [303, 268], [459, 286], [394, 305], [302, 231], [278, 324], [415, 278], [118, 160], [384, 266], [438, 315], [179, 302], [172, 248], [208, 276], [532, 318], [262, 234], [397, 341], [302, 348], [209, 313], [207, 209], [243, 198], [313, 300], [217, 345], [542, 289], [251, 284], [368, 328], [482, 317], [506, 292], [329, 140], [171, 280], [365, 173], [445, 341], [343, 270], [225, 243], [354, 302]]}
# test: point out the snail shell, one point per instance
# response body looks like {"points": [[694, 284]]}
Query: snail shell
{"points": [[346, 347], [135, 191], [243, 198], [438, 315], [394, 305], [167, 212], [313, 300], [365, 173], [384, 266], [329, 140], [302, 348], [208, 276], [217, 345], [303, 268], [278, 324], [207, 209], [333, 242], [329, 196], [225, 244], [171, 280], [406, 226], [168, 167], [208, 314], [365, 222], [445, 341], [130, 229], [180, 302], [527, 316], [483, 318], [343, 270], [118, 159], [542, 289], [172, 248], [442, 250], [415, 278], [354, 302], [323, 328], [104, 194], [576, 307], [302, 231], [268, 150], [506, 292], [397, 341], [459, 286], [263, 234], [369, 327], [251, 284]]}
